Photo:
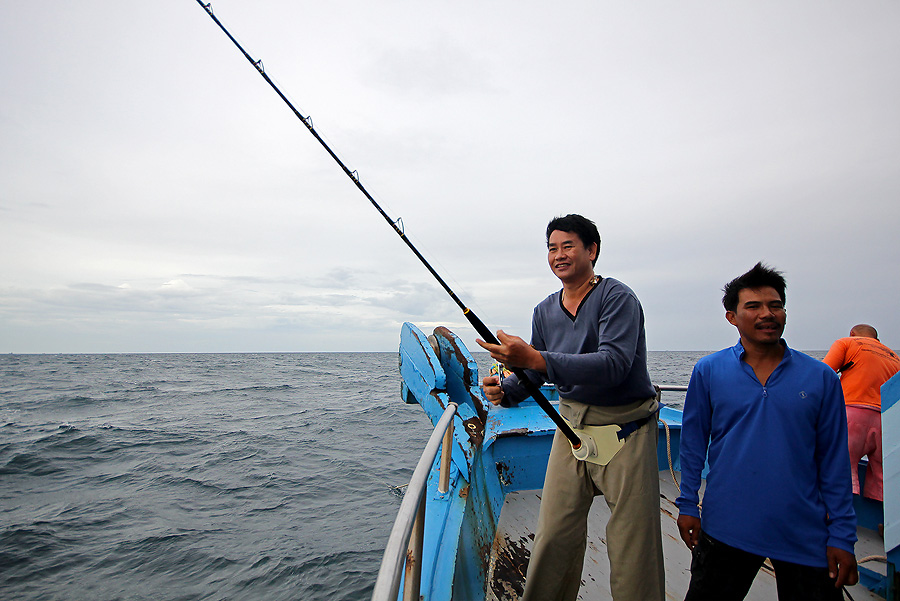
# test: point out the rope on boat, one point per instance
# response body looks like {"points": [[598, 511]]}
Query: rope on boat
{"points": [[881, 558], [669, 451]]}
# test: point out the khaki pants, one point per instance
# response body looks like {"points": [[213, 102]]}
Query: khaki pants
{"points": [[630, 485]]}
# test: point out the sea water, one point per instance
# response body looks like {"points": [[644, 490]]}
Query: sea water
{"points": [[202, 476]]}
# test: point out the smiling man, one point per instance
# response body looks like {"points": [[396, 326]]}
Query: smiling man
{"points": [[588, 340], [771, 422]]}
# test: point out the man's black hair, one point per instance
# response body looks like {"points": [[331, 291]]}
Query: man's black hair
{"points": [[582, 227], [761, 276]]}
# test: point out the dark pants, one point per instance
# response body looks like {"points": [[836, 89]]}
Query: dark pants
{"points": [[719, 572]]}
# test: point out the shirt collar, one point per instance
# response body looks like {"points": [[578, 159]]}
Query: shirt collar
{"points": [[739, 351]]}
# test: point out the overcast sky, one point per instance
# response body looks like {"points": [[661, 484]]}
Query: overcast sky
{"points": [[156, 195]]}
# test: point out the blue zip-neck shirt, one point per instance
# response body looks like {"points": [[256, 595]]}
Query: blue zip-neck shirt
{"points": [[779, 469]]}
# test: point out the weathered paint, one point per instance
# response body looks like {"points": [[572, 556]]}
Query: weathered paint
{"points": [[511, 557], [419, 366]]}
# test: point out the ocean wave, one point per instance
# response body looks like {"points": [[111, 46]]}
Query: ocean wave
{"points": [[319, 576], [29, 464], [258, 388], [76, 401]]}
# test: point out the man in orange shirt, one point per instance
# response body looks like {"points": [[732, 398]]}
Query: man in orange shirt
{"points": [[864, 365]]}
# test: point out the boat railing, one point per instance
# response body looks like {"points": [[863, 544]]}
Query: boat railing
{"points": [[404, 546], [671, 388]]}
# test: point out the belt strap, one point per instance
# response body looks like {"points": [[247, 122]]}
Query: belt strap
{"points": [[626, 429]]}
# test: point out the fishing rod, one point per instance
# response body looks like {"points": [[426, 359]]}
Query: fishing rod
{"points": [[533, 389]]}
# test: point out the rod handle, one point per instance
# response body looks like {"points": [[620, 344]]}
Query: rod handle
{"points": [[533, 389]]}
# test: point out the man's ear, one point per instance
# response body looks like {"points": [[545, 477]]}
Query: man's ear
{"points": [[731, 316]]}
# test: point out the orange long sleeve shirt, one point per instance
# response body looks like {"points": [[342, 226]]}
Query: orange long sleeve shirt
{"points": [[871, 364]]}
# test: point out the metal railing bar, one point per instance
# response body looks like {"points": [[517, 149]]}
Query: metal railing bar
{"points": [[388, 583], [672, 388]]}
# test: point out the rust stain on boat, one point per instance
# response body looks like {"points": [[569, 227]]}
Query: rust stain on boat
{"points": [[510, 565], [503, 473], [463, 360], [513, 432], [475, 429]]}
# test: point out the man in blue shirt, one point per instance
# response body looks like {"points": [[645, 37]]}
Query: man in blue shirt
{"points": [[772, 423]]}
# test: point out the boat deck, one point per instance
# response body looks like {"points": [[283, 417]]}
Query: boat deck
{"points": [[515, 533]]}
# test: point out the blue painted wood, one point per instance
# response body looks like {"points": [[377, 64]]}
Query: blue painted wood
{"points": [[443, 523], [419, 366], [484, 496], [521, 461], [425, 382], [890, 445], [519, 440], [869, 513]]}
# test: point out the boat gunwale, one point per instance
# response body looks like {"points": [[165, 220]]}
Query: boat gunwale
{"points": [[387, 584]]}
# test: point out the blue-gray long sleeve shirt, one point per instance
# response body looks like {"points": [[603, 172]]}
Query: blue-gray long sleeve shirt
{"points": [[599, 355]]}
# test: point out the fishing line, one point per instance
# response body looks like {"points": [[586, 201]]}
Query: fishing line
{"points": [[397, 226]]}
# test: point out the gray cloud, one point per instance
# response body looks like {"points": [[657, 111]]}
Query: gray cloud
{"points": [[156, 195]]}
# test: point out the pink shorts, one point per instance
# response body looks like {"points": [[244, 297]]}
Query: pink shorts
{"points": [[864, 439]]}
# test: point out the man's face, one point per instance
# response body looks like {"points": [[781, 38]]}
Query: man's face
{"points": [[760, 316], [568, 257]]}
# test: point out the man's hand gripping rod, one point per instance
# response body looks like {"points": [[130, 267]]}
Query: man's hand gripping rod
{"points": [[533, 389]]}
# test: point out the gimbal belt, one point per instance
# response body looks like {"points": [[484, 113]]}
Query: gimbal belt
{"points": [[599, 444]]}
